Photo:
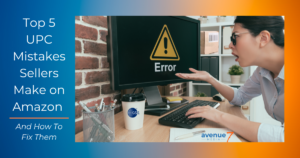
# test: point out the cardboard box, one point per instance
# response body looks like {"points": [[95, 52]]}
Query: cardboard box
{"points": [[209, 42]]}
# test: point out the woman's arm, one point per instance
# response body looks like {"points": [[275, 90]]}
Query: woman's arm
{"points": [[223, 89], [243, 127], [251, 88], [240, 96], [251, 131]]}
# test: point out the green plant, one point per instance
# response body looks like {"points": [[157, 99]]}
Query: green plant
{"points": [[203, 16], [235, 70], [200, 94]]}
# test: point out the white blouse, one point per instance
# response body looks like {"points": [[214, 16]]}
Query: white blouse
{"points": [[261, 82]]}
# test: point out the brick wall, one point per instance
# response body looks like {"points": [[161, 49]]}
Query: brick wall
{"points": [[92, 80], [178, 89]]}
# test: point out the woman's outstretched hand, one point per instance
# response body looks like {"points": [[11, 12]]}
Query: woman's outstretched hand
{"points": [[196, 75]]}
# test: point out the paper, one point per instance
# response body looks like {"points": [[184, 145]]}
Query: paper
{"points": [[210, 135]]}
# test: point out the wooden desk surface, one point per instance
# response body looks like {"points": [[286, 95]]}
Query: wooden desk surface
{"points": [[152, 131]]}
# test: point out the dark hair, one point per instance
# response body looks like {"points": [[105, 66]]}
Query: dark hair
{"points": [[256, 24]]}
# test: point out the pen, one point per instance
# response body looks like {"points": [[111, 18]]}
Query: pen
{"points": [[103, 107], [100, 108], [112, 104], [96, 109], [189, 135]]}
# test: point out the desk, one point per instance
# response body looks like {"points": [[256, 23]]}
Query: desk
{"points": [[152, 131]]}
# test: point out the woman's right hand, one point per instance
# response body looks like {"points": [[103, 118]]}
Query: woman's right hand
{"points": [[196, 75]]}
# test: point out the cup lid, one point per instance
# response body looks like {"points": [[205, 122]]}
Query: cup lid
{"points": [[133, 97]]}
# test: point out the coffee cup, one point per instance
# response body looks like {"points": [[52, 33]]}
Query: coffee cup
{"points": [[133, 110]]}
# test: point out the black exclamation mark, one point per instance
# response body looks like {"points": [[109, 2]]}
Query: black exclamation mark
{"points": [[166, 44]]}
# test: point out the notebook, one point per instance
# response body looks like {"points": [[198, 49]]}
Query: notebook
{"points": [[173, 98], [210, 135]]}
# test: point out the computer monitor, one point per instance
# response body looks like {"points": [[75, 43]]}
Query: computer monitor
{"points": [[146, 51]]}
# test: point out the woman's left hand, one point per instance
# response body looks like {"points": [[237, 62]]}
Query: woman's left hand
{"points": [[205, 112]]}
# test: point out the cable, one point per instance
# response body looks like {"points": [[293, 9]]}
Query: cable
{"points": [[134, 91], [141, 90]]}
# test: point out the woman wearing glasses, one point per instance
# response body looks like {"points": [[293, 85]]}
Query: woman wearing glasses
{"points": [[259, 41]]}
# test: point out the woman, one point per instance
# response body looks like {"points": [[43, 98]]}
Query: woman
{"points": [[256, 40]]}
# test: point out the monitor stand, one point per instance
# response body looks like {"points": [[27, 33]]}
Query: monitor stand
{"points": [[154, 99]]}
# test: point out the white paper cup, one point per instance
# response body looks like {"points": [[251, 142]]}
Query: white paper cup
{"points": [[133, 114]]}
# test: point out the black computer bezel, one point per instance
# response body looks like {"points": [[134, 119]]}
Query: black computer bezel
{"points": [[112, 51]]}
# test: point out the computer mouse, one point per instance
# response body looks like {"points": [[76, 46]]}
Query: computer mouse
{"points": [[218, 97]]}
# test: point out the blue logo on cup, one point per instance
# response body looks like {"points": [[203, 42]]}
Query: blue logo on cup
{"points": [[132, 112]]}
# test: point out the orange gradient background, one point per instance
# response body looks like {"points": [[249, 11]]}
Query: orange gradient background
{"points": [[288, 9]]}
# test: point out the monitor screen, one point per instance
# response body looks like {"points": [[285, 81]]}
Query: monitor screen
{"points": [[149, 50]]}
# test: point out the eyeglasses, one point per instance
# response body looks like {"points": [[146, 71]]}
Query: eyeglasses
{"points": [[233, 37]]}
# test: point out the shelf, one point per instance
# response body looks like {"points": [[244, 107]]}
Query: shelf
{"points": [[225, 60], [227, 83], [233, 84], [227, 55], [209, 55], [212, 55], [202, 84], [215, 24]]}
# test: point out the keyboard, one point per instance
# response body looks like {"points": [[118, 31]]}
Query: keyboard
{"points": [[177, 118]]}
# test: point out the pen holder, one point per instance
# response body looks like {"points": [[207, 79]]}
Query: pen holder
{"points": [[99, 126]]}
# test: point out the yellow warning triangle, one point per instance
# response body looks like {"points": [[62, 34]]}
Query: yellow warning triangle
{"points": [[164, 48]]}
